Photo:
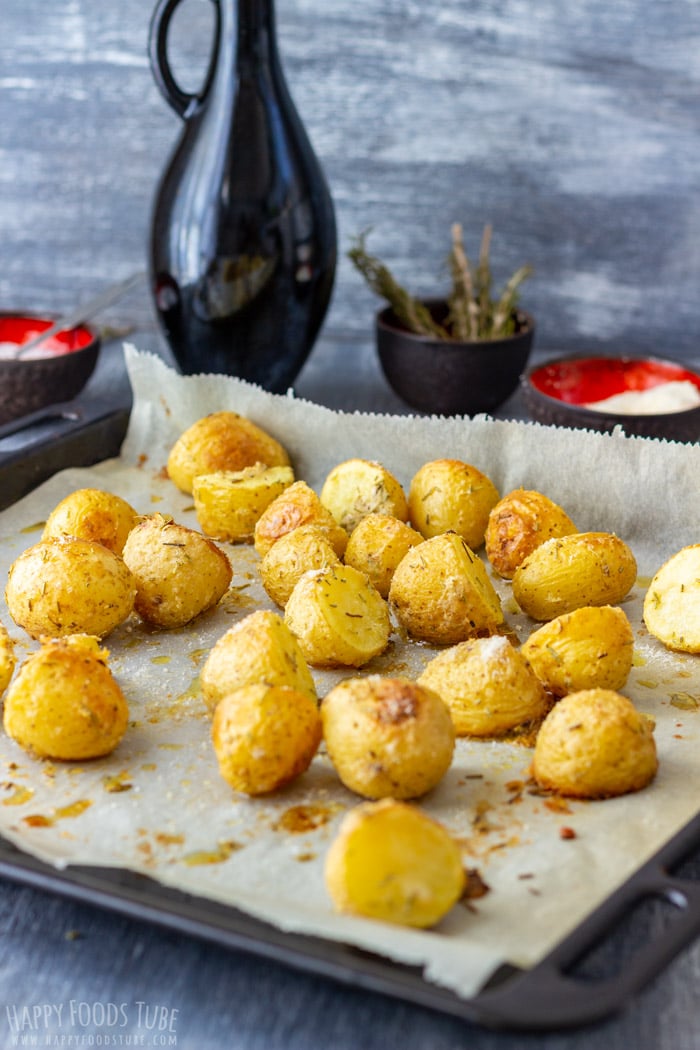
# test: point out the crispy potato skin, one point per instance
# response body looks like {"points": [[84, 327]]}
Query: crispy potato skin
{"points": [[519, 523], [302, 550], [441, 593], [589, 648], [298, 505], [222, 441], [487, 686], [376, 546], [178, 572], [64, 703], [585, 568], [672, 602], [447, 495], [69, 586], [228, 503], [595, 744], [259, 648], [264, 736], [391, 862], [359, 487], [91, 514], [7, 659], [387, 737]]}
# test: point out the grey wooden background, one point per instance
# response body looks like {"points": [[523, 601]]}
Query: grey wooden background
{"points": [[573, 127]]}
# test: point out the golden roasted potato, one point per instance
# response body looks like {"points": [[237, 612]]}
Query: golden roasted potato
{"points": [[377, 545], [359, 487], [519, 523], [672, 602], [259, 648], [392, 862], [64, 703], [228, 503], [91, 514], [487, 686], [299, 551], [589, 648], [264, 736], [298, 505], [69, 586], [447, 495], [595, 744], [441, 593], [585, 568], [387, 737], [222, 441], [7, 659], [338, 617], [178, 572]]}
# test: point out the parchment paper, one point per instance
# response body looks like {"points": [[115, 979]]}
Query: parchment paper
{"points": [[158, 804]]}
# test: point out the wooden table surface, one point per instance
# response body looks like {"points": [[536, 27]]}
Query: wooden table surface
{"points": [[575, 130]]}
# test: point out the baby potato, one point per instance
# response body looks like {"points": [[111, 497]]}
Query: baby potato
{"points": [[259, 648], [301, 550], [392, 862], [297, 505], [228, 503], [519, 523], [64, 703], [387, 737], [376, 546], [222, 441], [69, 586], [264, 736], [447, 495], [595, 744], [672, 602], [178, 572], [359, 487], [585, 568], [91, 514], [589, 648], [338, 618], [441, 593], [7, 659], [487, 686]]}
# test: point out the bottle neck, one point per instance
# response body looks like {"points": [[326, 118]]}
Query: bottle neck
{"points": [[252, 27]]}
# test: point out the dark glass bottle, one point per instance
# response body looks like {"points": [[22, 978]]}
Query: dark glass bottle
{"points": [[243, 237]]}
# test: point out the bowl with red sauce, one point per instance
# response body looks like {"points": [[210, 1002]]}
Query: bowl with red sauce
{"points": [[644, 396], [56, 370]]}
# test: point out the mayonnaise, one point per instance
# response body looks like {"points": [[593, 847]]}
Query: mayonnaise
{"points": [[676, 396]]}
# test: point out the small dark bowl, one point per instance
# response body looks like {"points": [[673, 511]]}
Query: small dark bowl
{"points": [[557, 392], [451, 378], [26, 386]]}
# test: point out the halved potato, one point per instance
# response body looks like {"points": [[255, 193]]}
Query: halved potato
{"points": [[7, 659], [447, 495], [377, 545], [91, 514], [519, 523], [299, 551], [359, 487], [297, 505], [228, 503], [672, 602]]}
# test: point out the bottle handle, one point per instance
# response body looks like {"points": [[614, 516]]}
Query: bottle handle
{"points": [[183, 102]]}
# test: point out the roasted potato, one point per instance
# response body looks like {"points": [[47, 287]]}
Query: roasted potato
{"points": [[359, 487], [259, 648], [589, 648], [222, 441], [672, 602], [447, 495], [264, 736], [228, 503], [392, 862], [441, 593], [387, 737], [377, 545], [338, 617], [298, 505], [595, 744], [519, 523], [585, 568], [91, 514], [7, 659], [178, 572], [487, 686], [69, 586], [65, 703], [299, 551]]}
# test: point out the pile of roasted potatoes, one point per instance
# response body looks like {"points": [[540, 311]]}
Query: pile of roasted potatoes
{"points": [[345, 568]]}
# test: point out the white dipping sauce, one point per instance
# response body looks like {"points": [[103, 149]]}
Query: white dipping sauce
{"points": [[676, 396]]}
